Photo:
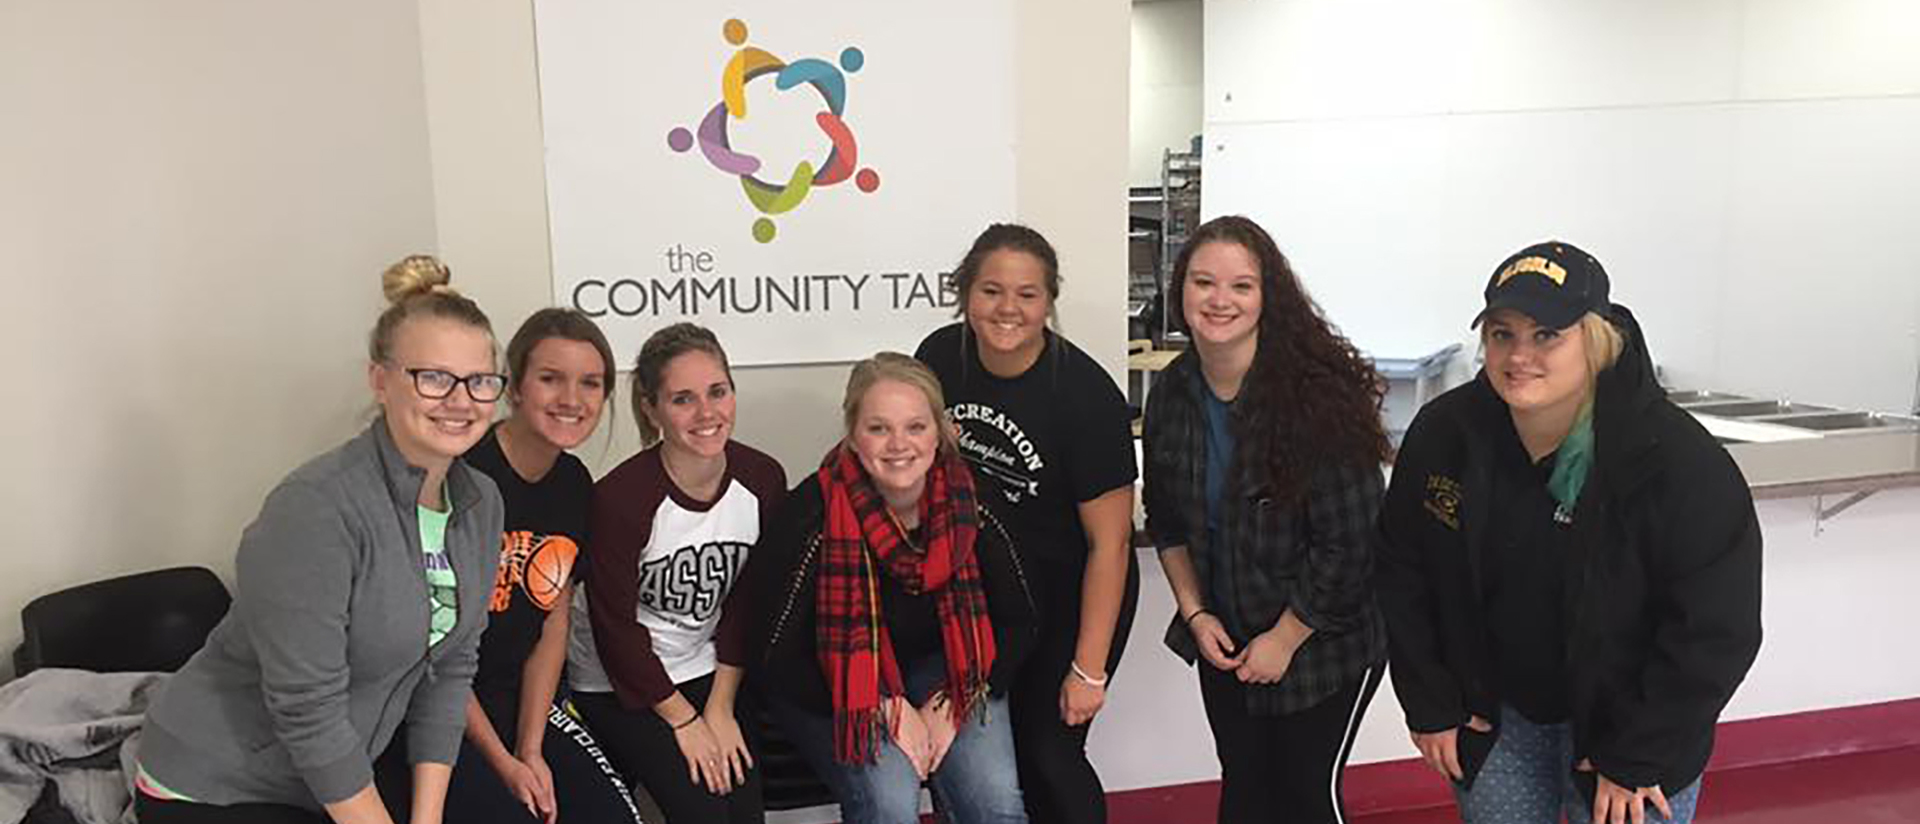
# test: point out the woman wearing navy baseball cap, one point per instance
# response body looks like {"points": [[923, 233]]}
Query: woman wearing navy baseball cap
{"points": [[1570, 566]]}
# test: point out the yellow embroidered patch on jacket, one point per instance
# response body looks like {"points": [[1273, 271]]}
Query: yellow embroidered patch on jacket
{"points": [[1443, 500]]}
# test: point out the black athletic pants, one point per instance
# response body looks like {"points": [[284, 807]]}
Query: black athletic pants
{"points": [[1056, 780], [1283, 767], [644, 749]]}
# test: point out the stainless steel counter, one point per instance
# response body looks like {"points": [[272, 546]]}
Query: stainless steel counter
{"points": [[1830, 465], [1791, 450]]}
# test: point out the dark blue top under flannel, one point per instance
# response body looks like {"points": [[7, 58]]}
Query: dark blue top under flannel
{"points": [[1313, 555]]}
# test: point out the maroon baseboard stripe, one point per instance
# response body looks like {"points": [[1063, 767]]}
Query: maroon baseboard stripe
{"points": [[1386, 786], [1780, 739], [1392, 786]]}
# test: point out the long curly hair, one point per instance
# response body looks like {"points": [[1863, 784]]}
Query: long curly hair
{"points": [[1310, 399]]}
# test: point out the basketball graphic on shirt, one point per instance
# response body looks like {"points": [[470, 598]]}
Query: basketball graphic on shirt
{"points": [[542, 565], [549, 570]]}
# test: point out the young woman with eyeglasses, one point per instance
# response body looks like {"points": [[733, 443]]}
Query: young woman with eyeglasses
{"points": [[361, 592], [526, 758]]}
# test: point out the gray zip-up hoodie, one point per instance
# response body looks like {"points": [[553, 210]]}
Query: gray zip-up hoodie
{"points": [[325, 650]]}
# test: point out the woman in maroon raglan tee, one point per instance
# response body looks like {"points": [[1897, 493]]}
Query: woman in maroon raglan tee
{"points": [[670, 529]]}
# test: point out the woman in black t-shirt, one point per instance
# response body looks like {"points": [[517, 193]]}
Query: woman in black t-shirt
{"points": [[525, 758], [1048, 433]]}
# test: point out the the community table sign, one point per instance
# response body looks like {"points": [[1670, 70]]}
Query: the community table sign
{"points": [[800, 177]]}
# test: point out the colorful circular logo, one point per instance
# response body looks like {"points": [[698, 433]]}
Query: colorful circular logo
{"points": [[825, 79]]}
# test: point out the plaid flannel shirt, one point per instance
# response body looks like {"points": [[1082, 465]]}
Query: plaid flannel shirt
{"points": [[1315, 556]]}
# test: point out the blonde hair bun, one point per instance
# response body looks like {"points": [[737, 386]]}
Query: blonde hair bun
{"points": [[416, 275]]}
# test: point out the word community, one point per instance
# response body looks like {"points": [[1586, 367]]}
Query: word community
{"points": [[690, 287]]}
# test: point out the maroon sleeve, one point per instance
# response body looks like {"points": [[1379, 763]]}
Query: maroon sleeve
{"points": [[768, 481], [623, 507]]}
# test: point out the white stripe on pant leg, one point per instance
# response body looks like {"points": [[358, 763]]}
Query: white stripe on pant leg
{"points": [[560, 718], [1346, 743]]}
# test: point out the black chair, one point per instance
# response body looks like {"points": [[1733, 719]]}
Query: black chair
{"points": [[147, 622]]}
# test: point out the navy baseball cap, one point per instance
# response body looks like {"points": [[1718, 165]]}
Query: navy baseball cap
{"points": [[1555, 283]]}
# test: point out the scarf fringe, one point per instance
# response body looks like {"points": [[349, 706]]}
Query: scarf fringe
{"points": [[861, 733]]}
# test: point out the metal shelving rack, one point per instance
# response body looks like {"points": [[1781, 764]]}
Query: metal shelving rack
{"points": [[1160, 219], [1143, 261], [1179, 216]]}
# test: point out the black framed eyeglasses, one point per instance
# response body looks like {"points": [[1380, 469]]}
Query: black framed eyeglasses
{"points": [[435, 384]]}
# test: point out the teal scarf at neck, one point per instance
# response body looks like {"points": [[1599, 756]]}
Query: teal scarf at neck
{"points": [[1571, 465]]}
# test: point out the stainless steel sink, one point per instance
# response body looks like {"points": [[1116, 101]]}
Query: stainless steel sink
{"points": [[1690, 397], [1837, 422], [1751, 409]]}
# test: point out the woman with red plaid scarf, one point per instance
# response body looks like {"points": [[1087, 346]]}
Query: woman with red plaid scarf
{"points": [[895, 611]]}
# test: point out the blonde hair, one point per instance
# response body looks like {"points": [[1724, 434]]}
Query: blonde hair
{"points": [[650, 367], [893, 366], [1604, 342], [416, 286], [416, 275]]}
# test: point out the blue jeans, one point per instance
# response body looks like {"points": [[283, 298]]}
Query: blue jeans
{"points": [[977, 783], [1528, 779]]}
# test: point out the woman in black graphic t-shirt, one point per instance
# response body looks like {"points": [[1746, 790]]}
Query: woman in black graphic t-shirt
{"points": [[1048, 434], [525, 759]]}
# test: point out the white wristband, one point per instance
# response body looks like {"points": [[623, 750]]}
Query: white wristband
{"points": [[1082, 675]]}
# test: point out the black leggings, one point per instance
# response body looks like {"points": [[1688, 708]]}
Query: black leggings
{"points": [[1056, 780], [586, 787], [1283, 767], [644, 749], [150, 810]]}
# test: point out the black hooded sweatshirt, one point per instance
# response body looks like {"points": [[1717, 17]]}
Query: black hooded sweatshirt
{"points": [[1661, 576]]}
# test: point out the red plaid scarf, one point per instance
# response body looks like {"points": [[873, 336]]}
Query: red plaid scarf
{"points": [[855, 650]]}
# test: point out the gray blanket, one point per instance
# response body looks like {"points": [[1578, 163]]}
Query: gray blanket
{"points": [[75, 729]]}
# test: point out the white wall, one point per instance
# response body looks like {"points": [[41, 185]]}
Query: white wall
{"points": [[1163, 82], [193, 222], [1744, 168], [196, 201]]}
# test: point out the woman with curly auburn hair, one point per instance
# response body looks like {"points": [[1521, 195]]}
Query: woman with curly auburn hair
{"points": [[1263, 447]]}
